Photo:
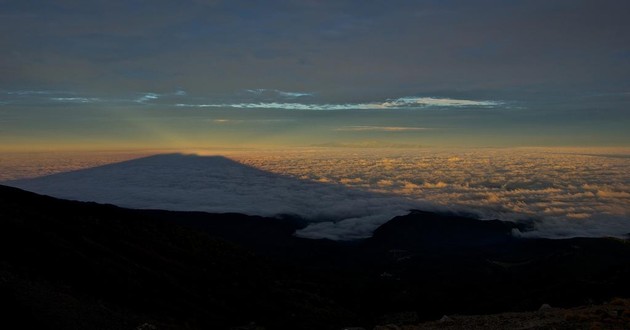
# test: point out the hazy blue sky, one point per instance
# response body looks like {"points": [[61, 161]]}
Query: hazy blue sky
{"points": [[193, 73]]}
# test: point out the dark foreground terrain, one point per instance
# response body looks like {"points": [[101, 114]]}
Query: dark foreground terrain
{"points": [[75, 265], [611, 315]]}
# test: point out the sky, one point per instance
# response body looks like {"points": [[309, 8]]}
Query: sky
{"points": [[97, 74]]}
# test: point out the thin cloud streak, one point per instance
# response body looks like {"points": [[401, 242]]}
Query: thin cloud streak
{"points": [[76, 99], [268, 99], [277, 92], [147, 97], [393, 104]]}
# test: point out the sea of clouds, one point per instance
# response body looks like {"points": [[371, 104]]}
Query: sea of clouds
{"points": [[347, 193], [563, 193]]}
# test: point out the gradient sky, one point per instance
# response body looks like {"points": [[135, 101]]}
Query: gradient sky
{"points": [[195, 73]]}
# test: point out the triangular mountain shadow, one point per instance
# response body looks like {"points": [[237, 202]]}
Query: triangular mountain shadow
{"points": [[218, 184]]}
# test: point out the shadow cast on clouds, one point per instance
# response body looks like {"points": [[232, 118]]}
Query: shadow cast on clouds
{"points": [[218, 184]]}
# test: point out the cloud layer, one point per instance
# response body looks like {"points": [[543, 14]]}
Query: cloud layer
{"points": [[562, 193], [347, 193]]}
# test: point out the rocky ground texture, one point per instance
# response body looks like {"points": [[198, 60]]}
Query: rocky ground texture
{"points": [[612, 315]]}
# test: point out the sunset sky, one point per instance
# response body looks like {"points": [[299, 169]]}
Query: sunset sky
{"points": [[185, 74]]}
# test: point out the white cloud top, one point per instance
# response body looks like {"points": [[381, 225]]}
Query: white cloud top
{"points": [[563, 193]]}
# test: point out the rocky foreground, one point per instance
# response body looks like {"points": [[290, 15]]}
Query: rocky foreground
{"points": [[612, 315], [76, 265]]}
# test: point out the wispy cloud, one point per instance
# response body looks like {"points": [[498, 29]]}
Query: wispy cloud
{"points": [[147, 97], [380, 128], [436, 102], [76, 99], [224, 121], [293, 94], [399, 103], [30, 97], [262, 99], [241, 121], [34, 92], [277, 92]]}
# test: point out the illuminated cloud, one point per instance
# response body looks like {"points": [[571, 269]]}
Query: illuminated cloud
{"points": [[436, 102], [293, 94], [562, 194], [147, 97], [262, 99], [76, 99], [223, 121], [400, 103], [276, 92]]}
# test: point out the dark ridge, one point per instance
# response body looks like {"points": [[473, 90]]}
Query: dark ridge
{"points": [[74, 265], [427, 230]]}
